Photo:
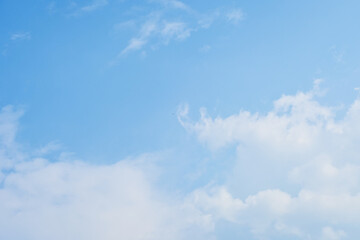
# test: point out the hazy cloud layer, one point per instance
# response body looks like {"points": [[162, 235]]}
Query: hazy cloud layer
{"points": [[69, 199]]}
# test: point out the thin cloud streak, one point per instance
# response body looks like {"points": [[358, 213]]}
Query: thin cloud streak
{"points": [[159, 29], [20, 36], [94, 5]]}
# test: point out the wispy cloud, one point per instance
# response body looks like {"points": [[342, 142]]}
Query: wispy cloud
{"points": [[4, 50], [176, 30], [173, 4], [76, 10], [48, 148], [235, 16], [94, 5], [134, 44], [20, 36], [161, 28], [205, 48], [149, 28], [337, 55], [125, 25], [9, 149], [51, 7]]}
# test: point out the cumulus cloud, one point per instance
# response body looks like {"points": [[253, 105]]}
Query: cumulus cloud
{"points": [[297, 168], [70, 199], [275, 213], [43, 200], [296, 176]]}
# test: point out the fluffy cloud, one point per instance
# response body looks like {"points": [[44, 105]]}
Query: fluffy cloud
{"points": [[297, 168], [296, 176], [69, 199]]}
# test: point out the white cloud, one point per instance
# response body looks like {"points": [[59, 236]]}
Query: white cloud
{"points": [[70, 199], [295, 122], [301, 216], [296, 176], [217, 201], [297, 169], [20, 36], [43, 200]]}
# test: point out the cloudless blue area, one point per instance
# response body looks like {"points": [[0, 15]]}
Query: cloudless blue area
{"points": [[63, 77]]}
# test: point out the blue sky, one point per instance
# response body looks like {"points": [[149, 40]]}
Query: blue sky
{"points": [[217, 112]]}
